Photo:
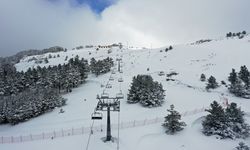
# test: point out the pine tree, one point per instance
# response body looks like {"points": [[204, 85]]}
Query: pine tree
{"points": [[212, 84], [229, 34], [244, 75], [242, 146], [46, 60], [146, 91], [133, 94], [237, 88], [232, 77], [215, 122], [236, 121], [172, 121], [203, 77]]}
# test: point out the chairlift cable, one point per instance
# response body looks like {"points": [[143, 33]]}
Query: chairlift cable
{"points": [[90, 133], [118, 136]]}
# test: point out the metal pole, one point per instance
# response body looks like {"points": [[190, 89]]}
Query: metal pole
{"points": [[109, 137], [119, 65]]}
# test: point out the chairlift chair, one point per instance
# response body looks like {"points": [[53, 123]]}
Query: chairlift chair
{"points": [[113, 72], [104, 95], [111, 79], [161, 73], [108, 86], [120, 80], [119, 95], [96, 116]]}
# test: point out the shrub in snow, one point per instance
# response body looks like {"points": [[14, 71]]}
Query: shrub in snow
{"points": [[172, 121], [242, 146], [146, 91]]}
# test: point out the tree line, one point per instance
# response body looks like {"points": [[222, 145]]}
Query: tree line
{"points": [[24, 95]]}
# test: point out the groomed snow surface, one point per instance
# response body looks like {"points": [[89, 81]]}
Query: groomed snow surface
{"points": [[187, 93]]}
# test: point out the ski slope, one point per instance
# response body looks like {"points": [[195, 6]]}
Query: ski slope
{"points": [[187, 93]]}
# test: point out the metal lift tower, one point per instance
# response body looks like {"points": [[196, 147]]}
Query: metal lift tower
{"points": [[106, 103]]}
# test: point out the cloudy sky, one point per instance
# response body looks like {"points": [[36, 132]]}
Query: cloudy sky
{"points": [[38, 24]]}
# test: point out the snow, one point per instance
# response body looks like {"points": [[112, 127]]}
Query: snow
{"points": [[215, 58]]}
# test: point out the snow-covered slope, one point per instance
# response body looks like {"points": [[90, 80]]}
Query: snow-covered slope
{"points": [[187, 93]]}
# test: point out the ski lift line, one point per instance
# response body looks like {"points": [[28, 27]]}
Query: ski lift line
{"points": [[118, 136], [90, 133]]}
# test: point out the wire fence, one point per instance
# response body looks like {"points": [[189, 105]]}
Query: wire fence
{"points": [[86, 130]]}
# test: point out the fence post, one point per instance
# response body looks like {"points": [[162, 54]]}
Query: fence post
{"points": [[134, 123], [82, 130], [62, 133], [54, 134], [72, 131], [2, 139], [12, 140], [43, 135], [31, 138], [21, 138], [145, 122]]}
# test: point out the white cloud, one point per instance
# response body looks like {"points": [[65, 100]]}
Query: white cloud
{"points": [[40, 24]]}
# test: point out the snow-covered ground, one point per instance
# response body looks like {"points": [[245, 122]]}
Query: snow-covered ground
{"points": [[187, 93]]}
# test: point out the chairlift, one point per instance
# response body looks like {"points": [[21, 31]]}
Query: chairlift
{"points": [[108, 86], [120, 80], [104, 95], [161, 73], [119, 95], [111, 79], [96, 116]]}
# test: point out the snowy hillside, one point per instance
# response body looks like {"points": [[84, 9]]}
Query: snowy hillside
{"points": [[185, 91]]}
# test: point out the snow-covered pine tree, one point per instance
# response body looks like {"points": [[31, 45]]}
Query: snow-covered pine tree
{"points": [[237, 88], [216, 123], [172, 121], [154, 95], [232, 77], [237, 122], [244, 75], [46, 60], [146, 91], [133, 96], [203, 77], [212, 84], [242, 146]]}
